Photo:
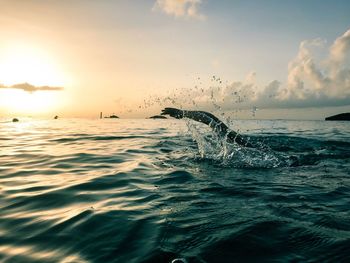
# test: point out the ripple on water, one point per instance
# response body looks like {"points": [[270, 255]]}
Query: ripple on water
{"points": [[146, 191]]}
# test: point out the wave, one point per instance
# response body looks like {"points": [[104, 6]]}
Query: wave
{"points": [[149, 194], [83, 137]]}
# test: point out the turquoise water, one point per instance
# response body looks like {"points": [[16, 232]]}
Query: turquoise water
{"points": [[74, 190]]}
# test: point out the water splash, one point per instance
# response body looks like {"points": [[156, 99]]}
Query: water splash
{"points": [[215, 147]]}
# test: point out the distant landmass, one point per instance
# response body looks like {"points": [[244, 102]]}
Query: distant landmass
{"points": [[339, 117], [112, 117], [158, 117]]}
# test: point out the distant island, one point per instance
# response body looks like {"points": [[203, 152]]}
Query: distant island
{"points": [[112, 117], [157, 117], [339, 117]]}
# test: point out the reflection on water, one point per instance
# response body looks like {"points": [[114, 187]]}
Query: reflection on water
{"points": [[159, 190]]}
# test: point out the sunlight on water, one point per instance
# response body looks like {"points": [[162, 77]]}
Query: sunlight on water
{"points": [[164, 190]]}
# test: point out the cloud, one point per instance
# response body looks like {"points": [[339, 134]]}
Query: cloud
{"points": [[317, 77], [340, 49], [30, 88], [322, 81], [180, 8]]}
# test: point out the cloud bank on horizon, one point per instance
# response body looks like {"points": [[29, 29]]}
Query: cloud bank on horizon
{"points": [[180, 8], [30, 88], [317, 77]]}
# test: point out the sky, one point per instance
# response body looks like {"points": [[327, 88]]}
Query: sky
{"points": [[257, 59]]}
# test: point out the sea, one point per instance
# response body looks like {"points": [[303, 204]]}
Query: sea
{"points": [[118, 190]]}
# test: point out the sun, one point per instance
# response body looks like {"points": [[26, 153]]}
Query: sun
{"points": [[33, 65]]}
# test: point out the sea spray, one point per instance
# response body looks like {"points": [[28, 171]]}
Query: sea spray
{"points": [[214, 96], [211, 146]]}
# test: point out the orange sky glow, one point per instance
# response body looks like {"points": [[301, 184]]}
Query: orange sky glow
{"points": [[80, 58]]}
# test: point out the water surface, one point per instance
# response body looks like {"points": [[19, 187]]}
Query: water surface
{"points": [[74, 190]]}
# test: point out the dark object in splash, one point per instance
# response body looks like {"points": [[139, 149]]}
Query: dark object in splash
{"points": [[212, 121], [339, 117], [157, 117], [112, 117], [15, 120], [56, 117]]}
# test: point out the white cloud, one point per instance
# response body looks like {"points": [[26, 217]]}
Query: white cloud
{"points": [[180, 8], [340, 49], [329, 79], [317, 77]]}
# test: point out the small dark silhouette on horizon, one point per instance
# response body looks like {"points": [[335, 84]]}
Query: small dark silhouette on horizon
{"points": [[15, 120], [113, 116], [56, 117], [157, 117], [339, 117]]}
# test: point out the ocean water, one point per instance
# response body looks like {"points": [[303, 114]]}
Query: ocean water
{"points": [[75, 190]]}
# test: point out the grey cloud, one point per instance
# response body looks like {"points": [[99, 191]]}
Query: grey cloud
{"points": [[30, 88]]}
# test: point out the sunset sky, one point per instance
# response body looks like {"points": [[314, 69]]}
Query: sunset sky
{"points": [[288, 59]]}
